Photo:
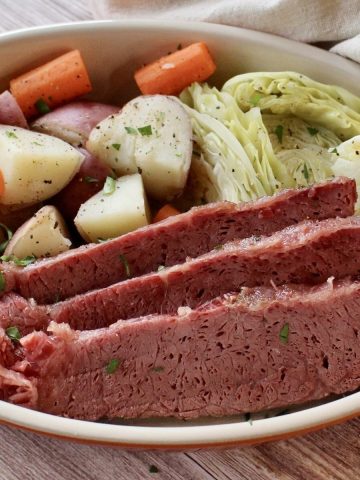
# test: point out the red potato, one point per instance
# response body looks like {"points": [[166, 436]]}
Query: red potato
{"points": [[10, 112], [74, 122], [88, 181]]}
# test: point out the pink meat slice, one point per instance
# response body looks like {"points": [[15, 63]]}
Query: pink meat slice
{"points": [[309, 252], [255, 350], [170, 242]]}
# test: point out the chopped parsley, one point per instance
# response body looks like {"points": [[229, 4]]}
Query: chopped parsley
{"points": [[145, 131], [254, 99], [2, 282], [218, 247], [101, 240], [334, 150], [131, 130], [279, 131], [42, 107], [117, 146], [306, 172], [312, 131], [284, 334], [126, 265], [112, 366], [20, 262], [158, 369], [88, 179], [10, 134], [109, 186], [153, 469], [160, 267], [8, 234], [13, 333]]}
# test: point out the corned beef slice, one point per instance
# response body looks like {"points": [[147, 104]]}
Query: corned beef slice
{"points": [[171, 241], [309, 252], [229, 356]]}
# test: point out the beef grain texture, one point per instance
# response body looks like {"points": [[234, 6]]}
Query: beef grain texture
{"points": [[228, 357], [170, 242], [309, 252]]}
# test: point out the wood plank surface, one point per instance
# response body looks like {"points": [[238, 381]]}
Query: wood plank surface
{"points": [[332, 454]]}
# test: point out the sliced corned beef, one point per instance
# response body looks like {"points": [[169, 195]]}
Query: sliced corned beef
{"points": [[247, 352], [309, 252], [171, 241]]}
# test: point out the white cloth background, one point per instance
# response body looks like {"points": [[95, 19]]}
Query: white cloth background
{"points": [[303, 20]]}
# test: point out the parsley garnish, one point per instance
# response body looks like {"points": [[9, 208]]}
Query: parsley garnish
{"points": [[160, 267], [112, 366], [306, 172], [218, 247], [2, 282], [145, 131], [13, 333], [284, 334], [101, 240], [126, 265], [158, 369], [131, 130], [41, 106], [153, 469], [334, 150], [117, 146], [279, 130], [254, 99], [312, 131], [9, 235], [88, 179], [24, 262], [109, 186], [11, 134]]}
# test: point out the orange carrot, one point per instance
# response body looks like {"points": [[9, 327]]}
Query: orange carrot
{"points": [[2, 183], [165, 212], [171, 74], [52, 84]]}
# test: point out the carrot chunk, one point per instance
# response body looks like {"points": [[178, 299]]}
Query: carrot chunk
{"points": [[171, 74], [165, 212], [52, 84]]}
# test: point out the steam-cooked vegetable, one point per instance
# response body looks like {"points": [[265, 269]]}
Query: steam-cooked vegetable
{"points": [[74, 122], [152, 136], [170, 74], [44, 235], [165, 212], [286, 93], [34, 166], [88, 181], [10, 112], [111, 214], [52, 84]]}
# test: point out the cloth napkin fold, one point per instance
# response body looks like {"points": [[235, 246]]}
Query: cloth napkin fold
{"points": [[302, 20]]}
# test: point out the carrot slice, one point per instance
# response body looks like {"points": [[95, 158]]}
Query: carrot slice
{"points": [[165, 212], [171, 74], [52, 84], [2, 183]]}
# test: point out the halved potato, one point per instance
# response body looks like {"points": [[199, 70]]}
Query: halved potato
{"points": [[34, 166], [151, 135], [44, 235], [119, 208]]}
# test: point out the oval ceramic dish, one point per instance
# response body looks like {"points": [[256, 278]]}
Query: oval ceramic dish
{"points": [[112, 51]]}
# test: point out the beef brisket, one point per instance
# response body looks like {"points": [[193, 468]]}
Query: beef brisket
{"points": [[309, 252], [171, 241], [259, 349]]}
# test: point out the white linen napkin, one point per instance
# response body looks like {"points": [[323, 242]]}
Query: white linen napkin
{"points": [[303, 20]]}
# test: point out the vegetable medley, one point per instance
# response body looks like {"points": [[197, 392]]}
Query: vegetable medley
{"points": [[72, 168]]}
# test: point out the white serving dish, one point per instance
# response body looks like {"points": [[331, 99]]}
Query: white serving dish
{"points": [[112, 51]]}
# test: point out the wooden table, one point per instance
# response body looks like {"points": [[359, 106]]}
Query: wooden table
{"points": [[332, 454]]}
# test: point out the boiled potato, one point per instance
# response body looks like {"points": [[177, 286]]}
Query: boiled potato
{"points": [[34, 166], [88, 181], [44, 235], [119, 208], [151, 135]]}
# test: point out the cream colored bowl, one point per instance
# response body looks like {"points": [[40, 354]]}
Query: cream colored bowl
{"points": [[112, 51]]}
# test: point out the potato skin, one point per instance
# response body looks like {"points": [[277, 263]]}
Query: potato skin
{"points": [[78, 191]]}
